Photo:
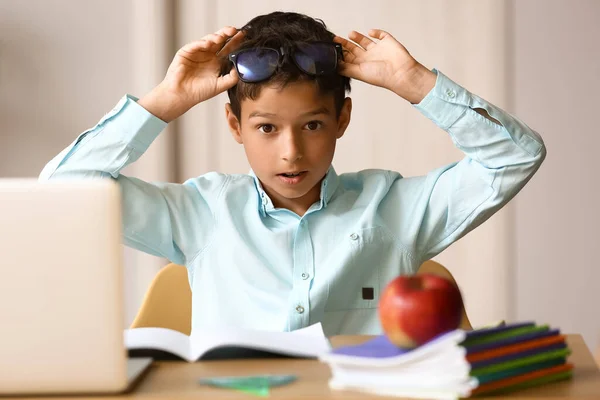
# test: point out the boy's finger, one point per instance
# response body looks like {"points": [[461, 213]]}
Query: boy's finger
{"points": [[206, 46], [193, 47], [216, 38], [361, 39], [227, 81], [233, 43], [215, 47], [349, 56], [378, 33], [352, 48], [349, 70], [227, 31], [212, 43]]}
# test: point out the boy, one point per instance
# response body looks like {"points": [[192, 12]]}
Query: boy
{"points": [[293, 243]]}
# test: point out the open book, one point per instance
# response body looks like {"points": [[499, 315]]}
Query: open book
{"points": [[165, 344]]}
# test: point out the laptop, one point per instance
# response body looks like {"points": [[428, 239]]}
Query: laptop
{"points": [[61, 289]]}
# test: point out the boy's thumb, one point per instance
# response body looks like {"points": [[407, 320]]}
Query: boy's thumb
{"points": [[228, 81]]}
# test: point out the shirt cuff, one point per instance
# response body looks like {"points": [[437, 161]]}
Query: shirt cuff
{"points": [[445, 103], [135, 125]]}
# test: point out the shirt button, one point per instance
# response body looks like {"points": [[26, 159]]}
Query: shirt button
{"points": [[354, 236], [325, 183], [300, 309], [450, 93], [305, 276]]}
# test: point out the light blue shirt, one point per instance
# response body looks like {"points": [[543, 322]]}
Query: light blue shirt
{"points": [[252, 265]]}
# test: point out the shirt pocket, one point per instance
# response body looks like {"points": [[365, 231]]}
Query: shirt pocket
{"points": [[364, 258]]}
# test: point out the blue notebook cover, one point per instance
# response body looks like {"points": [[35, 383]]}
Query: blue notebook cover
{"points": [[379, 347]]}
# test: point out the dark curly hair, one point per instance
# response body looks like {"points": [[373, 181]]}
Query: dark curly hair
{"points": [[284, 29]]}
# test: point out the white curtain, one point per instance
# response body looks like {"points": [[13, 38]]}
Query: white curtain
{"points": [[152, 42]]}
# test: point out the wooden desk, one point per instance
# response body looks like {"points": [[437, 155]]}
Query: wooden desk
{"points": [[174, 380]]}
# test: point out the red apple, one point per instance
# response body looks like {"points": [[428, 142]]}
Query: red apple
{"points": [[415, 309]]}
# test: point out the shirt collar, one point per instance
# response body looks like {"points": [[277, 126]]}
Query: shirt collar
{"points": [[328, 187]]}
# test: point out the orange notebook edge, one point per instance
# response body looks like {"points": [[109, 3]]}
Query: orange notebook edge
{"points": [[521, 378], [514, 348]]}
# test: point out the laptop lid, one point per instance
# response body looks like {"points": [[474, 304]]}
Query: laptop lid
{"points": [[61, 294]]}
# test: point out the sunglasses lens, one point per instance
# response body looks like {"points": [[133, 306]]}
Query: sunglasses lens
{"points": [[316, 58], [257, 64]]}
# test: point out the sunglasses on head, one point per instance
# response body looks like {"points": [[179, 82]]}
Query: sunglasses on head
{"points": [[260, 63]]}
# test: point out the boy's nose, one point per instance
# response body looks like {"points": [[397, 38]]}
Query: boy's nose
{"points": [[292, 148]]}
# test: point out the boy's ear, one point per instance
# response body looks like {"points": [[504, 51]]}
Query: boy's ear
{"points": [[234, 124], [344, 118]]}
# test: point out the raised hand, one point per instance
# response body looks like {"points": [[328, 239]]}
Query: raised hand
{"points": [[193, 75], [381, 60]]}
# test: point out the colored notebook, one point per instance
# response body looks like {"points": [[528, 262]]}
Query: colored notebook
{"points": [[454, 365], [516, 348], [523, 378]]}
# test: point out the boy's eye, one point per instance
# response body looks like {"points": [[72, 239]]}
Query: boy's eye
{"points": [[314, 125], [266, 128]]}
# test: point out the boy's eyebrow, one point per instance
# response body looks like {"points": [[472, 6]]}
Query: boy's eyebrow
{"points": [[322, 110], [260, 114]]}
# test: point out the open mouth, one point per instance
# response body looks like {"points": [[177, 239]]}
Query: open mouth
{"points": [[292, 178], [292, 174]]}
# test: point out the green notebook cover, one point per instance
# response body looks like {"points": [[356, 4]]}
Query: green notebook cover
{"points": [[495, 376], [512, 364], [493, 337], [559, 376]]}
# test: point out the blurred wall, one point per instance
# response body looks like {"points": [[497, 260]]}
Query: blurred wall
{"points": [[556, 84], [63, 64]]}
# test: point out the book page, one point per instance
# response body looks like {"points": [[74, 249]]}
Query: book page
{"points": [[159, 338], [444, 373], [306, 342], [444, 393]]}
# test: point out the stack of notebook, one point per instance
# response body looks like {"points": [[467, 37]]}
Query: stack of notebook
{"points": [[456, 364]]}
